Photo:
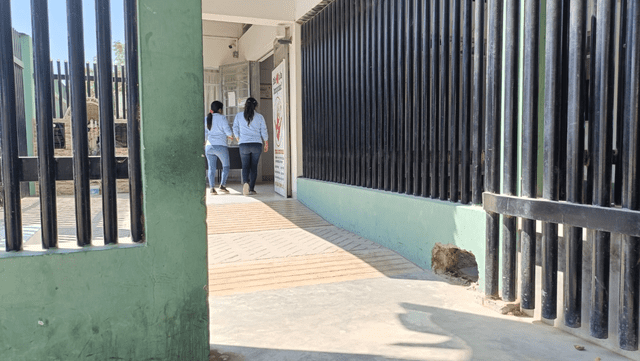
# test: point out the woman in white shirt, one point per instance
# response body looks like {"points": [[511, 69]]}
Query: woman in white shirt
{"points": [[216, 132], [250, 129]]}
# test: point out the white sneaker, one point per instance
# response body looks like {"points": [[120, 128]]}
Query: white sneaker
{"points": [[245, 189]]}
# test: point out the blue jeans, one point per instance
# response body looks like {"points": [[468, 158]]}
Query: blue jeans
{"points": [[214, 152], [250, 155]]}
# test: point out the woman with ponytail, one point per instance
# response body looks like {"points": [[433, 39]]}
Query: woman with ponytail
{"points": [[216, 132], [250, 130]]}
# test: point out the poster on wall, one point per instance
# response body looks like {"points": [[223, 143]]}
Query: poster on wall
{"points": [[280, 98]]}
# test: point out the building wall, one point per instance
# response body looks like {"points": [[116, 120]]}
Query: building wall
{"points": [[146, 302], [407, 224]]}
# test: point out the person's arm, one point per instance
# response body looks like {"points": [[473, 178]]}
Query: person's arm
{"points": [[264, 133], [206, 131], [226, 129], [236, 128]]}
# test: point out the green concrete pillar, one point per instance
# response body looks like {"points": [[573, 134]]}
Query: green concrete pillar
{"points": [[131, 302]]}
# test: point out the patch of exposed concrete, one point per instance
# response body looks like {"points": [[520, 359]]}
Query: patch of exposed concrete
{"points": [[449, 260]]}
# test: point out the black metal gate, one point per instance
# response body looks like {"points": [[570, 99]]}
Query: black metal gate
{"points": [[590, 157], [400, 95], [80, 168]]}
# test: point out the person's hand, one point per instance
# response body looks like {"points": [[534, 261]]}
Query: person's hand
{"points": [[266, 147]]}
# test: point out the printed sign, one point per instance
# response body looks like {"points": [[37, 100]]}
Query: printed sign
{"points": [[279, 83]]}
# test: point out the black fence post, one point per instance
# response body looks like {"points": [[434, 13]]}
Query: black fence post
{"points": [[550, 185], [492, 137], [510, 147], [79, 122], [478, 102], [454, 103], [107, 138], [44, 117], [465, 181], [628, 303], [434, 118], [444, 101], [575, 147], [529, 148], [8, 118], [601, 156]]}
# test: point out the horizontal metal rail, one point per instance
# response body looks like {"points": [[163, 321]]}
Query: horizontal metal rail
{"points": [[613, 220]]}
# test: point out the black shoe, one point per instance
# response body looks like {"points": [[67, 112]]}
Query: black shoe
{"points": [[252, 193], [213, 192], [223, 189]]}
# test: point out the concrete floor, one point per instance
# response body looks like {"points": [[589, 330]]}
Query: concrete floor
{"points": [[410, 316]]}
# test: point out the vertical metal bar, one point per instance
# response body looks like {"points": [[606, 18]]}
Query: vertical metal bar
{"points": [[341, 99], [415, 98], [357, 93], [601, 156], [434, 118], [510, 180], [629, 292], [620, 101], [387, 85], [44, 120], [324, 154], [350, 7], [393, 117], [79, 123], [369, 120], [563, 78], [588, 192], [492, 129], [96, 81], [478, 101], [66, 82], [465, 117], [60, 111], [89, 77], [53, 82], [378, 71], [116, 92], [408, 95], [124, 92], [332, 80], [551, 140], [107, 137], [529, 149], [8, 119], [374, 71], [426, 53], [575, 146], [444, 102], [400, 121], [316, 96], [454, 103]]}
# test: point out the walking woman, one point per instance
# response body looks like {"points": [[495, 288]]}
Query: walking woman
{"points": [[216, 132], [250, 130]]}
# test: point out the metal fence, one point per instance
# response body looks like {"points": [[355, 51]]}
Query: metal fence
{"points": [[385, 108], [80, 168], [60, 87], [409, 96]]}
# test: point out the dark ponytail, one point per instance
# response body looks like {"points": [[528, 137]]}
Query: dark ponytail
{"points": [[250, 109], [215, 107]]}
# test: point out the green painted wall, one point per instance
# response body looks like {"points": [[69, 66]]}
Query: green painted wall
{"points": [[139, 303], [406, 224]]}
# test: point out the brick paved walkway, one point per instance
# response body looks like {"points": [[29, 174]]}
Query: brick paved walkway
{"points": [[266, 242]]}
